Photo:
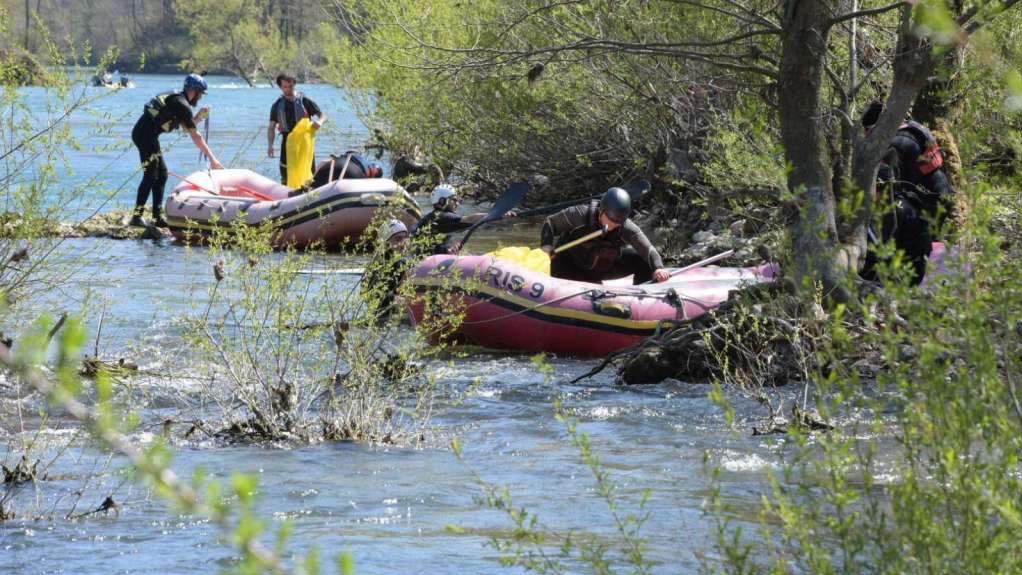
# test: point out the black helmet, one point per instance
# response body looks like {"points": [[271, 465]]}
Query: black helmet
{"points": [[617, 204]]}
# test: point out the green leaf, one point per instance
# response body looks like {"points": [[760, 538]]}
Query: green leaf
{"points": [[346, 564], [245, 486]]}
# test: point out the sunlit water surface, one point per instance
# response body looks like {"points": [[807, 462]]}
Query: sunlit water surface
{"points": [[391, 508]]}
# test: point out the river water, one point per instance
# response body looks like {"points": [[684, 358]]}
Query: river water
{"points": [[390, 507]]}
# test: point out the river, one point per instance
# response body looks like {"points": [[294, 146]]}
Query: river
{"points": [[390, 507]]}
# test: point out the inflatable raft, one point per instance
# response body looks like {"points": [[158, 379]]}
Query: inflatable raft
{"points": [[508, 306], [334, 214]]}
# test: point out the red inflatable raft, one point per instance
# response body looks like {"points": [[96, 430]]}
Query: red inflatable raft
{"points": [[508, 306]]}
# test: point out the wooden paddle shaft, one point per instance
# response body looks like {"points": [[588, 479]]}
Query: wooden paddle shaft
{"points": [[581, 240]]}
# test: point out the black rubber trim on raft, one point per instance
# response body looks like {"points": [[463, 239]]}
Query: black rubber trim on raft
{"points": [[315, 210], [538, 314]]}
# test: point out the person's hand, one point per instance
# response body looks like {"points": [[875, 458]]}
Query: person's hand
{"points": [[455, 248], [316, 125], [270, 152], [548, 250], [202, 114], [661, 275], [216, 165], [510, 214]]}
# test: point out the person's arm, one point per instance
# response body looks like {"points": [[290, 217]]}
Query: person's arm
{"points": [[558, 223], [638, 240], [271, 134], [314, 111], [201, 144]]}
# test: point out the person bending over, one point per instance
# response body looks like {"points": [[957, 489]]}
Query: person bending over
{"points": [[165, 113], [622, 250]]}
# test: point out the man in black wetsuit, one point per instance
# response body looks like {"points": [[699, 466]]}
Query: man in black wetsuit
{"points": [[285, 113], [918, 195], [165, 113], [444, 220], [622, 250]]}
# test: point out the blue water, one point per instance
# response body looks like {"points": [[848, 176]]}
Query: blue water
{"points": [[105, 171], [389, 507]]}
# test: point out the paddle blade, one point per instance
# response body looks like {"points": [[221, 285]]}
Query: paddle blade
{"points": [[509, 200]]}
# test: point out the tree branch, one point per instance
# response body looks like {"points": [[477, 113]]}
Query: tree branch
{"points": [[866, 13]]}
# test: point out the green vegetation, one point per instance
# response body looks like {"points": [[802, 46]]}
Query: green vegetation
{"points": [[902, 449], [254, 40]]}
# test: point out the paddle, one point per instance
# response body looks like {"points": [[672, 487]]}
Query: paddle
{"points": [[205, 135], [698, 264], [580, 240], [504, 204], [636, 190]]}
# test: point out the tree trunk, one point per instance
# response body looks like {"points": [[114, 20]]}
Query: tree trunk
{"points": [[939, 104], [28, 22], [803, 130], [913, 64]]}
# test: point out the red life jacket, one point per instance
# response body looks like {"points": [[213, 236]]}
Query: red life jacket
{"points": [[931, 159]]}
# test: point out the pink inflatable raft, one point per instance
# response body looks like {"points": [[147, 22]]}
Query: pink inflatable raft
{"points": [[508, 306], [334, 214]]}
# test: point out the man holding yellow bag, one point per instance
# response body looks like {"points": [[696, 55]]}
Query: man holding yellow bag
{"points": [[285, 116]]}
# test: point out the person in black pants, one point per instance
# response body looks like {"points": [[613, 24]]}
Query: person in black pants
{"points": [[621, 251], [919, 196], [165, 113], [285, 113]]}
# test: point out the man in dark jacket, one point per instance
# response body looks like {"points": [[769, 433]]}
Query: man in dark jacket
{"points": [[444, 220], [166, 113], [915, 191], [622, 250], [285, 114]]}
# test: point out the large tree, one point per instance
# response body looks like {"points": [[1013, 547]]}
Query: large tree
{"points": [[791, 54]]}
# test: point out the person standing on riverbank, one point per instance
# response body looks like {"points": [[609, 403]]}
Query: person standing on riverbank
{"points": [[165, 113], [285, 114], [620, 251]]}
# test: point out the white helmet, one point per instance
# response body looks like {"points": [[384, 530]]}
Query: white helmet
{"points": [[441, 192], [392, 228]]}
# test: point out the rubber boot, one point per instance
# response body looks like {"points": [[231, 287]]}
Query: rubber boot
{"points": [[158, 220], [136, 219]]}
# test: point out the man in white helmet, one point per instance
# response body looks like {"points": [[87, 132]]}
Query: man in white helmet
{"points": [[444, 220], [384, 274]]}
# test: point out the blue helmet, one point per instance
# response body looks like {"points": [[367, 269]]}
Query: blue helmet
{"points": [[195, 82]]}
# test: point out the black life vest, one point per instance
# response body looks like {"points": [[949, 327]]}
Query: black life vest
{"points": [[161, 113], [299, 109], [598, 255], [425, 226]]}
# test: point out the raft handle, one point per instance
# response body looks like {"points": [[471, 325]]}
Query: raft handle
{"points": [[611, 309]]}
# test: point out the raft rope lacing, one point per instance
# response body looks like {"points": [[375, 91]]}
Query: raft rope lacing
{"points": [[682, 297]]}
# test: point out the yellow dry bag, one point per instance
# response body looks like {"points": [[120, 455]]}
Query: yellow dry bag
{"points": [[301, 147], [534, 259]]}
